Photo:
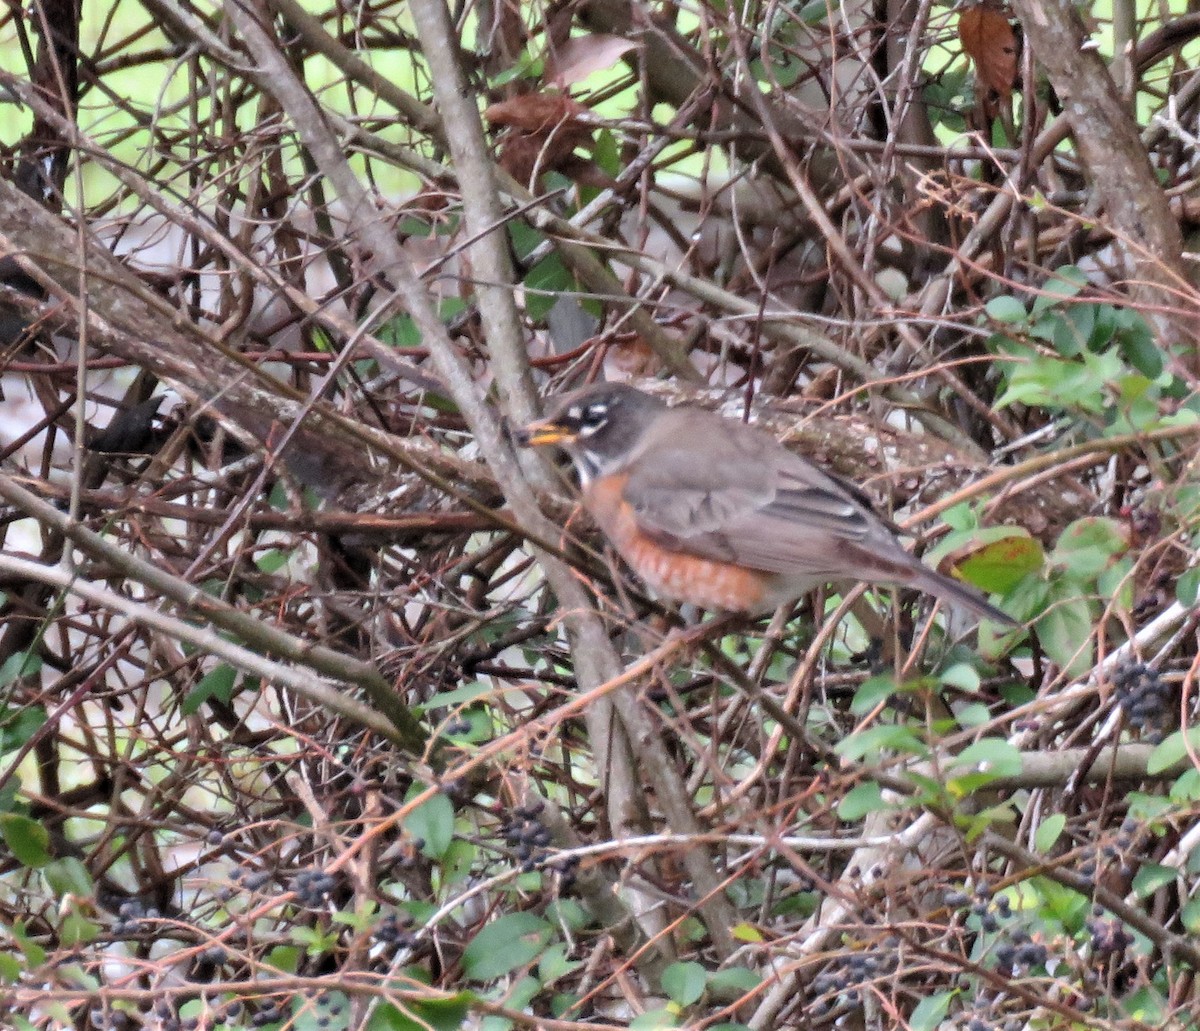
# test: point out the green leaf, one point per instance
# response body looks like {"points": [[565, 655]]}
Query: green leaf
{"points": [[966, 784], [26, 839], [362, 919], [77, 929], [872, 692], [931, 1011], [654, 1020], [544, 282], [11, 968], [1005, 555], [516, 997], [607, 152], [1189, 916], [555, 963], [1017, 694], [973, 714], [1067, 282], [305, 1016], [465, 693], [1025, 602], [1088, 545], [566, 912], [432, 1015], [815, 12], [684, 982], [34, 954], [1064, 904], [513, 940], [733, 979], [1064, 384], [316, 943], [1151, 876], [1172, 750], [525, 238], [860, 800], [1186, 792], [1048, 832], [528, 66], [217, 683], [1138, 346], [1006, 309], [17, 727], [285, 957], [962, 675], [68, 876], [1103, 325], [18, 665], [1065, 633], [1072, 329], [433, 823], [1116, 584], [400, 332], [875, 741], [1187, 587], [999, 757], [272, 560], [458, 861]]}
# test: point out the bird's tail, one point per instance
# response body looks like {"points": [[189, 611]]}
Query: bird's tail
{"points": [[958, 593]]}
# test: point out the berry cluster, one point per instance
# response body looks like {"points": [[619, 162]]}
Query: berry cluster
{"points": [[528, 836], [169, 1021], [1015, 950], [313, 887], [1021, 953], [393, 930], [457, 726], [530, 839], [1145, 697], [132, 917], [990, 911], [1109, 937], [982, 1023], [845, 976], [250, 880], [268, 1013]]}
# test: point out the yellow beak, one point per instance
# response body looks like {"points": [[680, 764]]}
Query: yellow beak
{"points": [[545, 431]]}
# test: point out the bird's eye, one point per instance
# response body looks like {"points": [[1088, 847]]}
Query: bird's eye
{"points": [[593, 416]]}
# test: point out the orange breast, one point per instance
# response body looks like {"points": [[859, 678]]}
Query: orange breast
{"points": [[699, 581]]}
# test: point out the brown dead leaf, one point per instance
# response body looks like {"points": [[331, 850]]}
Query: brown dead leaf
{"points": [[988, 40], [633, 357], [535, 112], [543, 131], [578, 57], [526, 154]]}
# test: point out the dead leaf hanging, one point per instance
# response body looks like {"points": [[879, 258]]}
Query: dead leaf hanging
{"points": [[535, 112], [543, 131], [988, 39]]}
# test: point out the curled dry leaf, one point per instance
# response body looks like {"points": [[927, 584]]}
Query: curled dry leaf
{"points": [[988, 39], [580, 56], [535, 112], [544, 130]]}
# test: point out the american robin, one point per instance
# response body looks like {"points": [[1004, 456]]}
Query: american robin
{"points": [[720, 514]]}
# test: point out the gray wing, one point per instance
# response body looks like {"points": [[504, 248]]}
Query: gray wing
{"points": [[752, 502]]}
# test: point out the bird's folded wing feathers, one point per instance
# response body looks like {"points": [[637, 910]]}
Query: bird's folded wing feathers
{"points": [[788, 520]]}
